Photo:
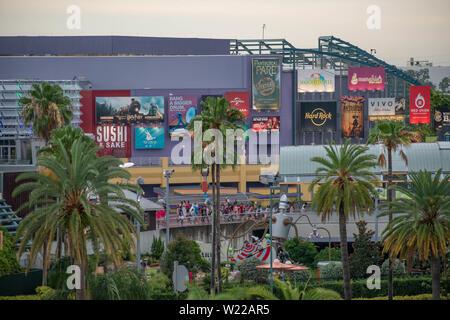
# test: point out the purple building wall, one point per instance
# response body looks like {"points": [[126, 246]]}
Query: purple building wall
{"points": [[111, 45], [157, 76]]}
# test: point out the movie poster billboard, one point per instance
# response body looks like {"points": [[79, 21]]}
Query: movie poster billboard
{"points": [[266, 123], [266, 79], [115, 139], [129, 109], [318, 116], [352, 117], [315, 80], [366, 78], [386, 109], [182, 109], [149, 138], [240, 101], [419, 104]]}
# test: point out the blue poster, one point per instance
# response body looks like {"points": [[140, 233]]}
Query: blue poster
{"points": [[149, 138]]}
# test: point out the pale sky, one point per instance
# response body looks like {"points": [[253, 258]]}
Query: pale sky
{"points": [[408, 28]]}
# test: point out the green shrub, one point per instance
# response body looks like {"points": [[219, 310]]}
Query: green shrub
{"points": [[296, 276], [301, 252], [8, 260], [407, 286], [157, 248], [57, 275], [324, 256], [365, 252], [425, 296], [331, 271], [398, 268], [160, 287], [186, 252], [250, 272], [123, 285]]}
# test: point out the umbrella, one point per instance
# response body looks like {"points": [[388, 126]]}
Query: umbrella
{"points": [[275, 265], [297, 268]]}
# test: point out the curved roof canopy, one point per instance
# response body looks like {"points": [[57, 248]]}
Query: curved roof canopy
{"points": [[296, 164]]}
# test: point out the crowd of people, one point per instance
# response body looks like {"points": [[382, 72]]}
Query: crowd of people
{"points": [[195, 213]]}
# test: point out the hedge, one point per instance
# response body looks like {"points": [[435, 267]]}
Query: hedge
{"points": [[402, 287]]}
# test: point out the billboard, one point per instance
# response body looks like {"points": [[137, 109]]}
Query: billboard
{"points": [[240, 101], [318, 116], [115, 139], [366, 78], [352, 117], [315, 80], [386, 109], [149, 138], [266, 79], [129, 109], [182, 109], [419, 104], [268, 123]]}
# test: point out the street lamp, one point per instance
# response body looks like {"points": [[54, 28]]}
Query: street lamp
{"points": [[272, 181], [205, 173], [167, 174], [140, 182]]}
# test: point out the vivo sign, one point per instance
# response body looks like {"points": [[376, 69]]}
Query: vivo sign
{"points": [[382, 107]]}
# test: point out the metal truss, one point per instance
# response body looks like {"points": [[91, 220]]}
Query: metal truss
{"points": [[332, 53]]}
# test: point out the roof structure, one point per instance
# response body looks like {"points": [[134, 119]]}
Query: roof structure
{"points": [[331, 53], [296, 164]]}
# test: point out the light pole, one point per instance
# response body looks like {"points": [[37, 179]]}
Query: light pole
{"points": [[140, 182], [167, 174], [205, 173], [271, 180]]}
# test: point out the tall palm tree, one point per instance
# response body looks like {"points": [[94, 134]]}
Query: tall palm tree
{"points": [[347, 186], [422, 222], [392, 135], [217, 114], [74, 194], [47, 108]]}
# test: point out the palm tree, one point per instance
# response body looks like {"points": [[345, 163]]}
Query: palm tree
{"points": [[392, 135], [46, 109], [347, 186], [218, 115], [73, 193], [422, 222]]}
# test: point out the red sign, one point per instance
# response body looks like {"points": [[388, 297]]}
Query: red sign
{"points": [[115, 139], [419, 104], [266, 123], [239, 100]]}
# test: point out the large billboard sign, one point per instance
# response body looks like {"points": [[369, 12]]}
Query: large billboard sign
{"points": [[266, 123], [129, 109], [115, 140], [318, 116], [352, 117], [182, 109], [366, 78], [149, 138], [386, 109], [266, 80], [240, 101], [419, 104], [315, 80]]}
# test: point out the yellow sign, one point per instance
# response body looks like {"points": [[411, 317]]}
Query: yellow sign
{"points": [[318, 116]]}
